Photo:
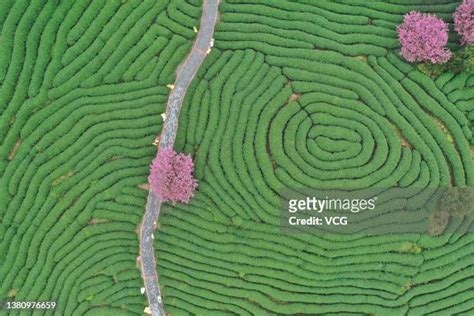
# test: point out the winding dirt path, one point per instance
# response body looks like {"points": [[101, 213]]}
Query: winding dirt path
{"points": [[185, 75]]}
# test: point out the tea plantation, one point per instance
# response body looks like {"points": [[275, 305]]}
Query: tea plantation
{"points": [[294, 94]]}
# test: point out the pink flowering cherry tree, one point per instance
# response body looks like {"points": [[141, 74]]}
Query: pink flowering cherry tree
{"points": [[464, 22], [171, 176], [423, 38]]}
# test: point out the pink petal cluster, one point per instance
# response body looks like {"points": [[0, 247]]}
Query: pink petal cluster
{"points": [[171, 176], [464, 22], [423, 38]]}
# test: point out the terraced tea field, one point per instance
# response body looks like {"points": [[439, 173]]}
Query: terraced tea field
{"points": [[294, 94], [83, 84]]}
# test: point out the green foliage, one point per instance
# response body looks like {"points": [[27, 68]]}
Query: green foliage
{"points": [[268, 112], [409, 247], [81, 96], [461, 61], [294, 94], [432, 70], [465, 58]]}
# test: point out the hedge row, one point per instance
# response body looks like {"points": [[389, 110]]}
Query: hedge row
{"points": [[267, 117], [83, 87]]}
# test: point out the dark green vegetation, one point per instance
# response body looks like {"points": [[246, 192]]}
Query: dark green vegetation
{"points": [[83, 84], [306, 94], [315, 95], [461, 61]]}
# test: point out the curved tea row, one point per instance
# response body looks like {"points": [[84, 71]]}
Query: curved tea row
{"points": [[83, 84], [314, 96], [308, 94]]}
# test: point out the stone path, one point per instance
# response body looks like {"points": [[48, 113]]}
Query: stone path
{"points": [[185, 75]]}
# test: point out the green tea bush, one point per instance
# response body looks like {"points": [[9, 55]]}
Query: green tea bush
{"points": [[268, 112], [81, 106], [294, 94]]}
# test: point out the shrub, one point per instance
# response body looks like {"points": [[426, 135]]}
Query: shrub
{"points": [[468, 59], [171, 176], [423, 38], [431, 70], [464, 22], [462, 60]]}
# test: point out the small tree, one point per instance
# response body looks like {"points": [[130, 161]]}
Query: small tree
{"points": [[171, 176], [464, 22], [423, 38]]}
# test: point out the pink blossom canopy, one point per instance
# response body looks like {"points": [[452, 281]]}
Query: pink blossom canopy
{"points": [[464, 22], [171, 176], [423, 38]]}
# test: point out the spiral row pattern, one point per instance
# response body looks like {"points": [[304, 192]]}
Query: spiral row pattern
{"points": [[294, 94], [314, 95]]}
